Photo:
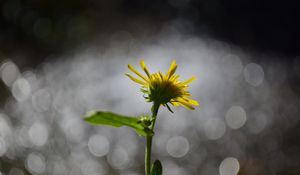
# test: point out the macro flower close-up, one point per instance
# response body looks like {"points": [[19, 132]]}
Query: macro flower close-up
{"points": [[163, 89]]}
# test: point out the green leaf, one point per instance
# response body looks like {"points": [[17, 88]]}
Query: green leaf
{"points": [[116, 120], [156, 168]]}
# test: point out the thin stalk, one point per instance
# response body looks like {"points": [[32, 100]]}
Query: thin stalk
{"points": [[148, 155], [149, 140]]}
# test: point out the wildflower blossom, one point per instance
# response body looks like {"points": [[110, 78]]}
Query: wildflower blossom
{"points": [[163, 89]]}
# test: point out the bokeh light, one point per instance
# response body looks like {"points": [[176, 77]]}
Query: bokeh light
{"points": [[229, 166], [236, 117], [38, 134], [118, 158], [91, 167], [9, 73], [232, 64], [42, 127], [36, 163], [98, 145], [178, 146], [5, 128], [254, 74], [171, 168], [258, 122], [214, 128], [3, 147], [41, 100], [21, 89]]}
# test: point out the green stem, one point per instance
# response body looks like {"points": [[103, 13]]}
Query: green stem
{"points": [[148, 155], [155, 108]]}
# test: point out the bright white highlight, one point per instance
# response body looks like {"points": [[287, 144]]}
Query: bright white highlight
{"points": [[35, 163], [229, 166], [5, 128], [38, 134], [21, 89], [9, 73]]}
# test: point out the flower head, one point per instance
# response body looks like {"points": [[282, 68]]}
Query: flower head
{"points": [[163, 89]]}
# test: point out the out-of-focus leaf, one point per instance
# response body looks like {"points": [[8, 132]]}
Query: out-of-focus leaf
{"points": [[116, 120], [156, 168]]}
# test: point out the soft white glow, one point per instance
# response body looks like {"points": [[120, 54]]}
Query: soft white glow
{"points": [[254, 74], [56, 165], [49, 118], [90, 167], [22, 137], [257, 123], [229, 166], [38, 134], [160, 144], [178, 146], [41, 100], [9, 72], [35, 163], [3, 147], [73, 128], [118, 158], [98, 145], [21, 89], [5, 128], [214, 128], [236, 117], [232, 65], [170, 168]]}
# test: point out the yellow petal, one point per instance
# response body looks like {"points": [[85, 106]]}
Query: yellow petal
{"points": [[136, 80], [153, 77], [186, 94], [189, 80], [144, 67], [191, 101], [161, 76], [174, 103], [172, 69], [185, 103], [136, 72], [174, 78]]}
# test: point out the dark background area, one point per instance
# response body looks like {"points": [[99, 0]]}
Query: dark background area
{"points": [[34, 31]]}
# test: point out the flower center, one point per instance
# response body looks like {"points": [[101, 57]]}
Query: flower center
{"points": [[162, 90]]}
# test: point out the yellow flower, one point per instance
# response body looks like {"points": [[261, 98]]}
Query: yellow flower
{"points": [[163, 89]]}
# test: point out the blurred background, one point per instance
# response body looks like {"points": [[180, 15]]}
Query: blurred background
{"points": [[60, 59]]}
